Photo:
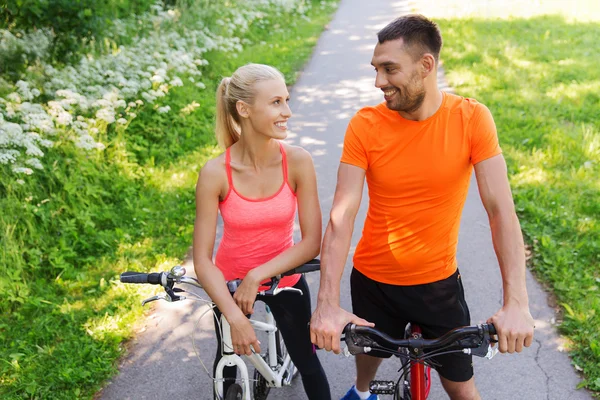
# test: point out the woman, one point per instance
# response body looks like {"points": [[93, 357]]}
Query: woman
{"points": [[257, 184]]}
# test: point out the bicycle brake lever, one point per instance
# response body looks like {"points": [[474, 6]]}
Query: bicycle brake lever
{"points": [[289, 289], [486, 349], [153, 298]]}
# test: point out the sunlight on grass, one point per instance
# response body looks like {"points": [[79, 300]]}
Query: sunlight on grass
{"points": [[182, 174], [574, 91], [466, 77], [539, 77], [533, 175], [574, 10]]}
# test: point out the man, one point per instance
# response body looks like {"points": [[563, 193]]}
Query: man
{"points": [[417, 151]]}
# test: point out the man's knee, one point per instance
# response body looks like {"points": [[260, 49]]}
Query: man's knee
{"points": [[461, 390], [365, 362]]}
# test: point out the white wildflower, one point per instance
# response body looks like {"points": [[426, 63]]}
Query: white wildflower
{"points": [[22, 170], [14, 97], [163, 110], [35, 163], [8, 156], [148, 97], [157, 79], [121, 121], [201, 85], [106, 114], [176, 82], [86, 142], [190, 108]]}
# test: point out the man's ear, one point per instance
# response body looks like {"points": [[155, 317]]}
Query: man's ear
{"points": [[427, 64], [243, 109]]}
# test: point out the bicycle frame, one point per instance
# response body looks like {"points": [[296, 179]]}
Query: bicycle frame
{"points": [[418, 386], [269, 371]]}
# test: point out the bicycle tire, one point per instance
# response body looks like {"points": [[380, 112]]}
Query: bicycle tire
{"points": [[260, 386], [282, 352], [403, 389], [234, 392], [403, 386]]}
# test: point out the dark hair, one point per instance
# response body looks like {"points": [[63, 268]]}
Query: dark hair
{"points": [[420, 35]]}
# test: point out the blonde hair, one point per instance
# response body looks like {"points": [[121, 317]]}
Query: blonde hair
{"points": [[238, 87]]}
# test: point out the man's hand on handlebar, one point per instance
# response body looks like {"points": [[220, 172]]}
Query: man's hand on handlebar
{"points": [[514, 326], [328, 322]]}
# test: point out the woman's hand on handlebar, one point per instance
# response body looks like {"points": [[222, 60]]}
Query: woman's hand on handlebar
{"points": [[243, 335], [245, 295], [328, 322]]}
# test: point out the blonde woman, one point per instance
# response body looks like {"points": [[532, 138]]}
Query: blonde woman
{"points": [[258, 184]]}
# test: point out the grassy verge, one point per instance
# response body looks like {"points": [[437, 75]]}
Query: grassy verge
{"points": [[90, 216], [540, 78]]}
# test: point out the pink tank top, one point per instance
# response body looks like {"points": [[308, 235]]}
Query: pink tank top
{"points": [[255, 230]]}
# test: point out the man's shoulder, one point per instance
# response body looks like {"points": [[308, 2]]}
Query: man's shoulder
{"points": [[369, 115], [465, 106]]}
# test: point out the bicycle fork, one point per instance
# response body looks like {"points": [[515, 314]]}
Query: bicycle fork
{"points": [[230, 359]]}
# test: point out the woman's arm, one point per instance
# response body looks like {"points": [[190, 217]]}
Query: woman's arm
{"points": [[302, 176], [208, 190]]}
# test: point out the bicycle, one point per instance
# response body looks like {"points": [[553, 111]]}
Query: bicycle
{"points": [[414, 381], [273, 369]]}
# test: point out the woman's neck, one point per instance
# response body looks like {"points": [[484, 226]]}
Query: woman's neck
{"points": [[256, 152]]}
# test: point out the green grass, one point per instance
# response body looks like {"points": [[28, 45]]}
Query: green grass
{"points": [[69, 231], [541, 80]]}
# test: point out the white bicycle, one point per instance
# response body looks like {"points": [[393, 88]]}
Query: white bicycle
{"points": [[273, 369]]}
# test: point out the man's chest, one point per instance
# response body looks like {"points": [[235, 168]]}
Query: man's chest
{"points": [[433, 160]]}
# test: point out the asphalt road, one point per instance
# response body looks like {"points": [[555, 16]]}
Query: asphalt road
{"points": [[338, 80]]}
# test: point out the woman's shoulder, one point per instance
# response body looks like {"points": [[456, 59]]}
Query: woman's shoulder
{"points": [[214, 170], [297, 155]]}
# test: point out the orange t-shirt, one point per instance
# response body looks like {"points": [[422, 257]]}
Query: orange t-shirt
{"points": [[418, 175]]}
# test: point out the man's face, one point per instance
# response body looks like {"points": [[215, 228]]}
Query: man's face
{"points": [[398, 76]]}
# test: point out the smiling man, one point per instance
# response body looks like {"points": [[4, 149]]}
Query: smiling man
{"points": [[417, 151]]}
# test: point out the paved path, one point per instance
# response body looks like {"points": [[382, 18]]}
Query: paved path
{"points": [[334, 85]]}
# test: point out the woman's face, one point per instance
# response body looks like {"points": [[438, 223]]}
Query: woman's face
{"points": [[269, 113]]}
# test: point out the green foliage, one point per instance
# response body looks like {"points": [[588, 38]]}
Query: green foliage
{"points": [[68, 231], [74, 23], [540, 79]]}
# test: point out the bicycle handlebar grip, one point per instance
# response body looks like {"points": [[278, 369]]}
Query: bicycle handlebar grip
{"points": [[139, 277], [312, 265], [491, 329]]}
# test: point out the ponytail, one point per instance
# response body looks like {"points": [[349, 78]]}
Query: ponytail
{"points": [[227, 130], [239, 87]]}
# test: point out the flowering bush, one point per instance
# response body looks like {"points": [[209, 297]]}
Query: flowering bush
{"points": [[99, 94]]}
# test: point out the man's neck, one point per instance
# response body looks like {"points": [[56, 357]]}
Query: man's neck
{"points": [[431, 104]]}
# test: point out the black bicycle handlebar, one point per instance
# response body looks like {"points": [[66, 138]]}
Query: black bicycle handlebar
{"points": [[139, 277], [165, 279], [312, 265], [360, 337]]}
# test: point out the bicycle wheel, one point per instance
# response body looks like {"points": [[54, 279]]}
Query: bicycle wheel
{"points": [[403, 384], [403, 387], [291, 370], [260, 387], [234, 392]]}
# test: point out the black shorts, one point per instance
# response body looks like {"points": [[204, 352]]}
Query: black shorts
{"points": [[436, 307]]}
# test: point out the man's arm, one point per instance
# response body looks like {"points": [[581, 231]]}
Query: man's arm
{"points": [[513, 321], [329, 319]]}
